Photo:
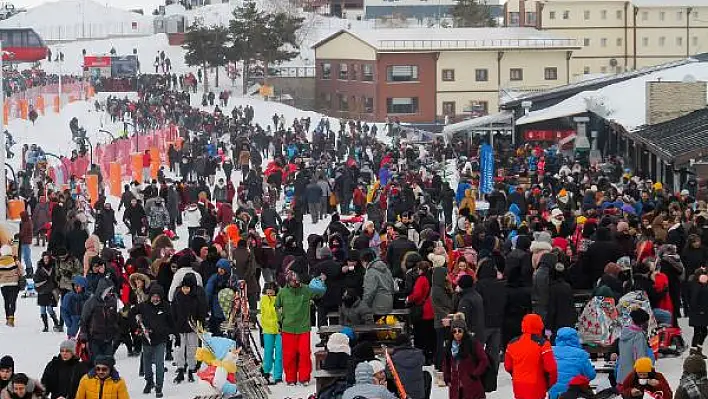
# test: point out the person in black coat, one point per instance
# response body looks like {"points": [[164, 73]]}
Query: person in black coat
{"points": [[447, 202], [155, 325], [396, 249], [471, 305], [292, 226], [270, 218], [134, 217], [518, 304], [105, 223], [603, 251], [693, 257], [332, 298], [57, 237], [76, 240], [62, 374], [561, 306], [494, 294], [611, 280]]}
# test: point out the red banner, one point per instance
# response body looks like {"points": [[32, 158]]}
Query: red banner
{"points": [[92, 61], [547, 135]]}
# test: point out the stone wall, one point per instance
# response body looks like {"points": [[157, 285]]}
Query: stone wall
{"points": [[670, 100]]}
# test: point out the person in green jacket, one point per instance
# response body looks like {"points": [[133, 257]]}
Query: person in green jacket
{"points": [[272, 343], [293, 305]]}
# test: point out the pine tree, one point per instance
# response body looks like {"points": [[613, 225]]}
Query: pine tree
{"points": [[472, 13], [206, 47]]}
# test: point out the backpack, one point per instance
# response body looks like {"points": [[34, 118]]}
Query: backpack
{"points": [[334, 391]]}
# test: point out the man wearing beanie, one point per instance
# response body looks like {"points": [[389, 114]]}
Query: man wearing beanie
{"points": [[633, 344], [63, 373], [645, 379], [103, 381], [530, 361], [472, 306], [7, 369], [365, 386], [694, 382]]}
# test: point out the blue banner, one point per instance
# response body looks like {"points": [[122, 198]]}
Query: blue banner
{"points": [[486, 179]]}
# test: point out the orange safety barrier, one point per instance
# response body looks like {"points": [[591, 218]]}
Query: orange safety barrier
{"points": [[24, 109], [56, 104], [92, 187], [90, 91], [72, 98], [154, 162], [136, 160], [14, 208], [115, 175], [5, 113], [39, 104]]}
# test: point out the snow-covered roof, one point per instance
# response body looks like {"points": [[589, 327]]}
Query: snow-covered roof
{"points": [[482, 121], [623, 102], [431, 39]]}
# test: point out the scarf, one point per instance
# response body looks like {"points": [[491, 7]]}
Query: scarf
{"points": [[455, 349], [691, 384]]}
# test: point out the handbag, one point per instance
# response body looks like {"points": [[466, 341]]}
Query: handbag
{"points": [[22, 282]]}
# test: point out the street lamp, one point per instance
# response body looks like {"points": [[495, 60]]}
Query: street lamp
{"points": [[113, 138]]}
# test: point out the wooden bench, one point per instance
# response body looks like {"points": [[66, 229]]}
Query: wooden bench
{"points": [[326, 331], [324, 378], [333, 317]]}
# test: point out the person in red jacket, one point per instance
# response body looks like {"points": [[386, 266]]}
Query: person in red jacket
{"points": [[645, 379], [529, 359], [423, 327], [146, 166], [359, 199]]}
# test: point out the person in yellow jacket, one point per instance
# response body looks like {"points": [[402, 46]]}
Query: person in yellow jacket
{"points": [[272, 343], [469, 201], [103, 382]]}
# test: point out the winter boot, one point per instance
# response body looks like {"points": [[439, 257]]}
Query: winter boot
{"points": [[11, 321], [190, 375], [57, 326], [158, 393], [148, 387], [45, 321], [180, 376]]}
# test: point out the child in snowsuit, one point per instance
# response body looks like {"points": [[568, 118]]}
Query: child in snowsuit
{"points": [[273, 347], [72, 303]]}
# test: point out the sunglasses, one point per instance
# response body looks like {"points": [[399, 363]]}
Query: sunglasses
{"points": [[458, 331], [104, 369]]}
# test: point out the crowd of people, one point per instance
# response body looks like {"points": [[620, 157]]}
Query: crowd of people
{"points": [[483, 285]]}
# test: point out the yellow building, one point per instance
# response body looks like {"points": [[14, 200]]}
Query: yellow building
{"points": [[619, 35]]}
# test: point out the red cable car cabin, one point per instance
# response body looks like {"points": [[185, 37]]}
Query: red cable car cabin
{"points": [[22, 45]]}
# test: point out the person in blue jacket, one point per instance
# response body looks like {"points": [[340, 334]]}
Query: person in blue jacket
{"points": [[462, 186], [72, 304], [572, 360], [216, 283]]}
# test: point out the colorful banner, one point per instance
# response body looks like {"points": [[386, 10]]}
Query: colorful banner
{"points": [[486, 157]]}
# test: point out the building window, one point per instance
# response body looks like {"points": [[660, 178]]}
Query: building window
{"points": [[368, 105], [481, 75], [679, 41], [586, 70], [530, 18], [566, 14], [586, 14], [343, 102], [552, 15], [662, 16], [448, 75], [448, 108], [603, 69], [516, 74], [325, 100], [343, 71], [477, 108], [679, 15], [603, 42], [619, 14], [586, 42], [695, 40], [619, 42], [513, 19], [662, 41], [367, 72], [603, 14], [645, 41], [550, 73], [645, 15], [326, 70], [402, 73], [355, 72], [402, 105]]}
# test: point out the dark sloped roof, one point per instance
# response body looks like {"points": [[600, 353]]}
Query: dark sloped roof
{"points": [[676, 140]]}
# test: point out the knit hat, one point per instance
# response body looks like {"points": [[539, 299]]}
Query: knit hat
{"points": [[465, 281], [323, 253], [437, 260], [458, 323], [156, 289], [639, 317], [622, 226], [105, 360], [68, 345], [364, 373], [224, 264], [695, 363], [339, 343], [543, 236], [377, 366], [643, 365], [7, 362], [556, 212]]}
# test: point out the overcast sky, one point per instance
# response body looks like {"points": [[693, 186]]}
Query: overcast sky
{"points": [[146, 5]]}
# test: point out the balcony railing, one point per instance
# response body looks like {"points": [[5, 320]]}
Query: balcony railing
{"points": [[388, 44]]}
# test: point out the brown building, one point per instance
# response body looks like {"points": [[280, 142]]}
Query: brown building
{"points": [[424, 75]]}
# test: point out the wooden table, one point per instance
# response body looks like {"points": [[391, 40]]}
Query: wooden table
{"points": [[401, 313], [323, 378]]}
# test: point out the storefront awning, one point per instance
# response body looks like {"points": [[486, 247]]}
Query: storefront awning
{"points": [[498, 121]]}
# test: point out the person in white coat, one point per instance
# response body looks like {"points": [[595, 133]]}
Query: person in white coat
{"points": [[192, 218]]}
